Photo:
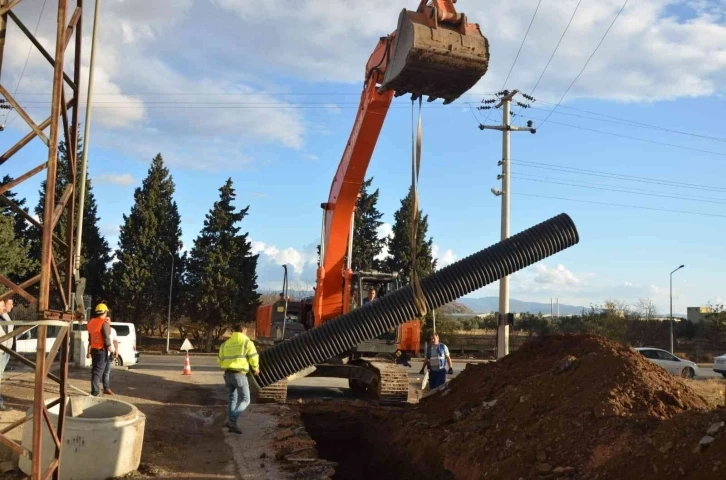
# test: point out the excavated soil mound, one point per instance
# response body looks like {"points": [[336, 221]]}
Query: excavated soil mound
{"points": [[565, 406]]}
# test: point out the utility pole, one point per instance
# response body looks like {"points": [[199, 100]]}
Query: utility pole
{"points": [[505, 102], [671, 298]]}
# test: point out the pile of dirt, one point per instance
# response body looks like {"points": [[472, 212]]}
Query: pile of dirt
{"points": [[564, 406]]}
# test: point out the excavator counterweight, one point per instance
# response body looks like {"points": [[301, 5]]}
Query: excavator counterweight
{"points": [[435, 54]]}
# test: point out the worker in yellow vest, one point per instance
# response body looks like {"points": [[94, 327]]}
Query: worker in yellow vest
{"points": [[99, 333], [237, 356]]}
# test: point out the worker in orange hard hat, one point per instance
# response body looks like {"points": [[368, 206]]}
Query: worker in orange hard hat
{"points": [[99, 333]]}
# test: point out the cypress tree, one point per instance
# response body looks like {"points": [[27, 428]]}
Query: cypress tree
{"points": [[399, 246], [366, 244], [221, 275], [149, 236], [95, 251]]}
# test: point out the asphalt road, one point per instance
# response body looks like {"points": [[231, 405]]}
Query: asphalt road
{"points": [[304, 388]]}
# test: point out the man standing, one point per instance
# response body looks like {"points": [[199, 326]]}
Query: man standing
{"points": [[5, 308], [236, 356], [99, 333], [437, 356]]}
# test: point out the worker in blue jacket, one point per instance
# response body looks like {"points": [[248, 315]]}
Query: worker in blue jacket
{"points": [[436, 358]]}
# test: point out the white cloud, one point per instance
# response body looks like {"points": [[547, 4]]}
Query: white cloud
{"points": [[301, 263], [446, 258], [385, 230], [123, 179], [558, 277], [153, 94], [312, 157], [332, 108], [648, 54], [111, 233]]}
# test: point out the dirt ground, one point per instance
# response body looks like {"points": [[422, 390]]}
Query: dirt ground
{"points": [[185, 435], [580, 408]]}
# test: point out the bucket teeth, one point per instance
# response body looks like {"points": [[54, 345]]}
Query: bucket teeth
{"points": [[437, 62]]}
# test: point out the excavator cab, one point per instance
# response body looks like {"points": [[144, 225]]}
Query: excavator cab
{"points": [[390, 344], [435, 52]]}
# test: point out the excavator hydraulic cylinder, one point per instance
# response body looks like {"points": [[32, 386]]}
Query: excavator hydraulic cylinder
{"points": [[437, 59], [446, 285]]}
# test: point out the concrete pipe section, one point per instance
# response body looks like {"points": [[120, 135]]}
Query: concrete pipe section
{"points": [[102, 438]]}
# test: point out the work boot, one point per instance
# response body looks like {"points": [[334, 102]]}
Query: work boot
{"points": [[233, 427], [108, 391]]}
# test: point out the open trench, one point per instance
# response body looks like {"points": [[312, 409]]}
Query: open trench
{"points": [[358, 439]]}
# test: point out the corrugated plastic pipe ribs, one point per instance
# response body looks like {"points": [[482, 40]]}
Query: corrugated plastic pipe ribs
{"points": [[446, 285]]}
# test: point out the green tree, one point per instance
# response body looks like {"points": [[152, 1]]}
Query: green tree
{"points": [[399, 246], [20, 228], [14, 261], [366, 244], [95, 251], [149, 236], [222, 277], [20, 224]]}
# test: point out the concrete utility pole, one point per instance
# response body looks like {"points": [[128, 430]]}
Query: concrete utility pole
{"points": [[506, 127]]}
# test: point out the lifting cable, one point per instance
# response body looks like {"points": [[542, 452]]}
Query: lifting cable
{"points": [[416, 135]]}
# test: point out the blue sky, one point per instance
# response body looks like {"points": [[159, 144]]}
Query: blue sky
{"points": [[274, 111]]}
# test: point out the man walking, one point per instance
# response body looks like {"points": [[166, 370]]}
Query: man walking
{"points": [[236, 356], [436, 358], [99, 333], [5, 308]]}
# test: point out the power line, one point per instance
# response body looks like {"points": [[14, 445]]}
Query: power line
{"points": [[522, 44], [357, 94], [623, 190], [504, 84], [640, 207], [586, 62], [616, 176], [629, 123], [635, 138], [556, 47], [27, 58], [553, 53]]}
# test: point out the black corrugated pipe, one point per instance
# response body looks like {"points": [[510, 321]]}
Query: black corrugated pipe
{"points": [[446, 285]]}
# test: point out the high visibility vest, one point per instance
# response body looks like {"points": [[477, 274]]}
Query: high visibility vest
{"points": [[440, 364], [95, 332], [239, 354]]}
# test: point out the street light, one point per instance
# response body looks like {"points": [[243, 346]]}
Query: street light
{"points": [[171, 285], [671, 296]]}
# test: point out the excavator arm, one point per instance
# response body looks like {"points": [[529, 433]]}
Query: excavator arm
{"points": [[433, 52]]}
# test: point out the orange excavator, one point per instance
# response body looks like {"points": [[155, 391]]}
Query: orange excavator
{"points": [[434, 52]]}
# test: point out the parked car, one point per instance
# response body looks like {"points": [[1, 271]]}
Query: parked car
{"points": [[672, 364], [127, 353], [27, 343], [719, 365]]}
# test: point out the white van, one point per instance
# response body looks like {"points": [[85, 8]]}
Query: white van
{"points": [[126, 336], [27, 342]]}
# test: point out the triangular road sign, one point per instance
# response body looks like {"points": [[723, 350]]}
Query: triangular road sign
{"points": [[187, 345]]}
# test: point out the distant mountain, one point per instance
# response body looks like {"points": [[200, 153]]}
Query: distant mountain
{"points": [[455, 308], [491, 304]]}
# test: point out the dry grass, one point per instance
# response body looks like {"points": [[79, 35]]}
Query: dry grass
{"points": [[712, 390]]}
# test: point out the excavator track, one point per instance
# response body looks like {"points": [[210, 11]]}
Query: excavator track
{"points": [[390, 384]]}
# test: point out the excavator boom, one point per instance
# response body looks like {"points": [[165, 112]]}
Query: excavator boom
{"points": [[434, 52]]}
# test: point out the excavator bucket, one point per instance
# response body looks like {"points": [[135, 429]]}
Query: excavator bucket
{"points": [[437, 59]]}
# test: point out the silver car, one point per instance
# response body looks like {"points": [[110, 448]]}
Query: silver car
{"points": [[719, 365], [672, 364]]}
